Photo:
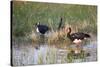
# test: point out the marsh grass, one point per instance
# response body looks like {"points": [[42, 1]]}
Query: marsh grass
{"points": [[48, 58], [58, 38], [26, 14], [71, 57], [81, 18]]}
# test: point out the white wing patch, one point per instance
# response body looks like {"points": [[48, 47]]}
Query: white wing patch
{"points": [[37, 29], [76, 41]]}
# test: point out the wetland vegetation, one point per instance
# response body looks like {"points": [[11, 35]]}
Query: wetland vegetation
{"points": [[28, 48]]}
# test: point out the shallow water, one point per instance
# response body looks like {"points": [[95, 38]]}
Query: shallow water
{"points": [[29, 54]]}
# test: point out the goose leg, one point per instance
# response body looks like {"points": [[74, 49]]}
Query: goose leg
{"points": [[78, 48]]}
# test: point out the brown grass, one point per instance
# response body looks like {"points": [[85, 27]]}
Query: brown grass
{"points": [[59, 37]]}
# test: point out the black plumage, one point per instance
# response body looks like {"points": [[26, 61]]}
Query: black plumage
{"points": [[42, 28], [77, 38], [78, 35]]}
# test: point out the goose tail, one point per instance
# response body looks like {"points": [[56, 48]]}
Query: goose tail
{"points": [[87, 36]]}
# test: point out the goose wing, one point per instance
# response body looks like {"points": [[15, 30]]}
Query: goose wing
{"points": [[78, 35]]}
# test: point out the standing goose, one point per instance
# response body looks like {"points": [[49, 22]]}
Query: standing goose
{"points": [[41, 28], [77, 38]]}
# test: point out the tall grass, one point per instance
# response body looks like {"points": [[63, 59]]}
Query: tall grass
{"points": [[26, 14], [81, 18]]}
